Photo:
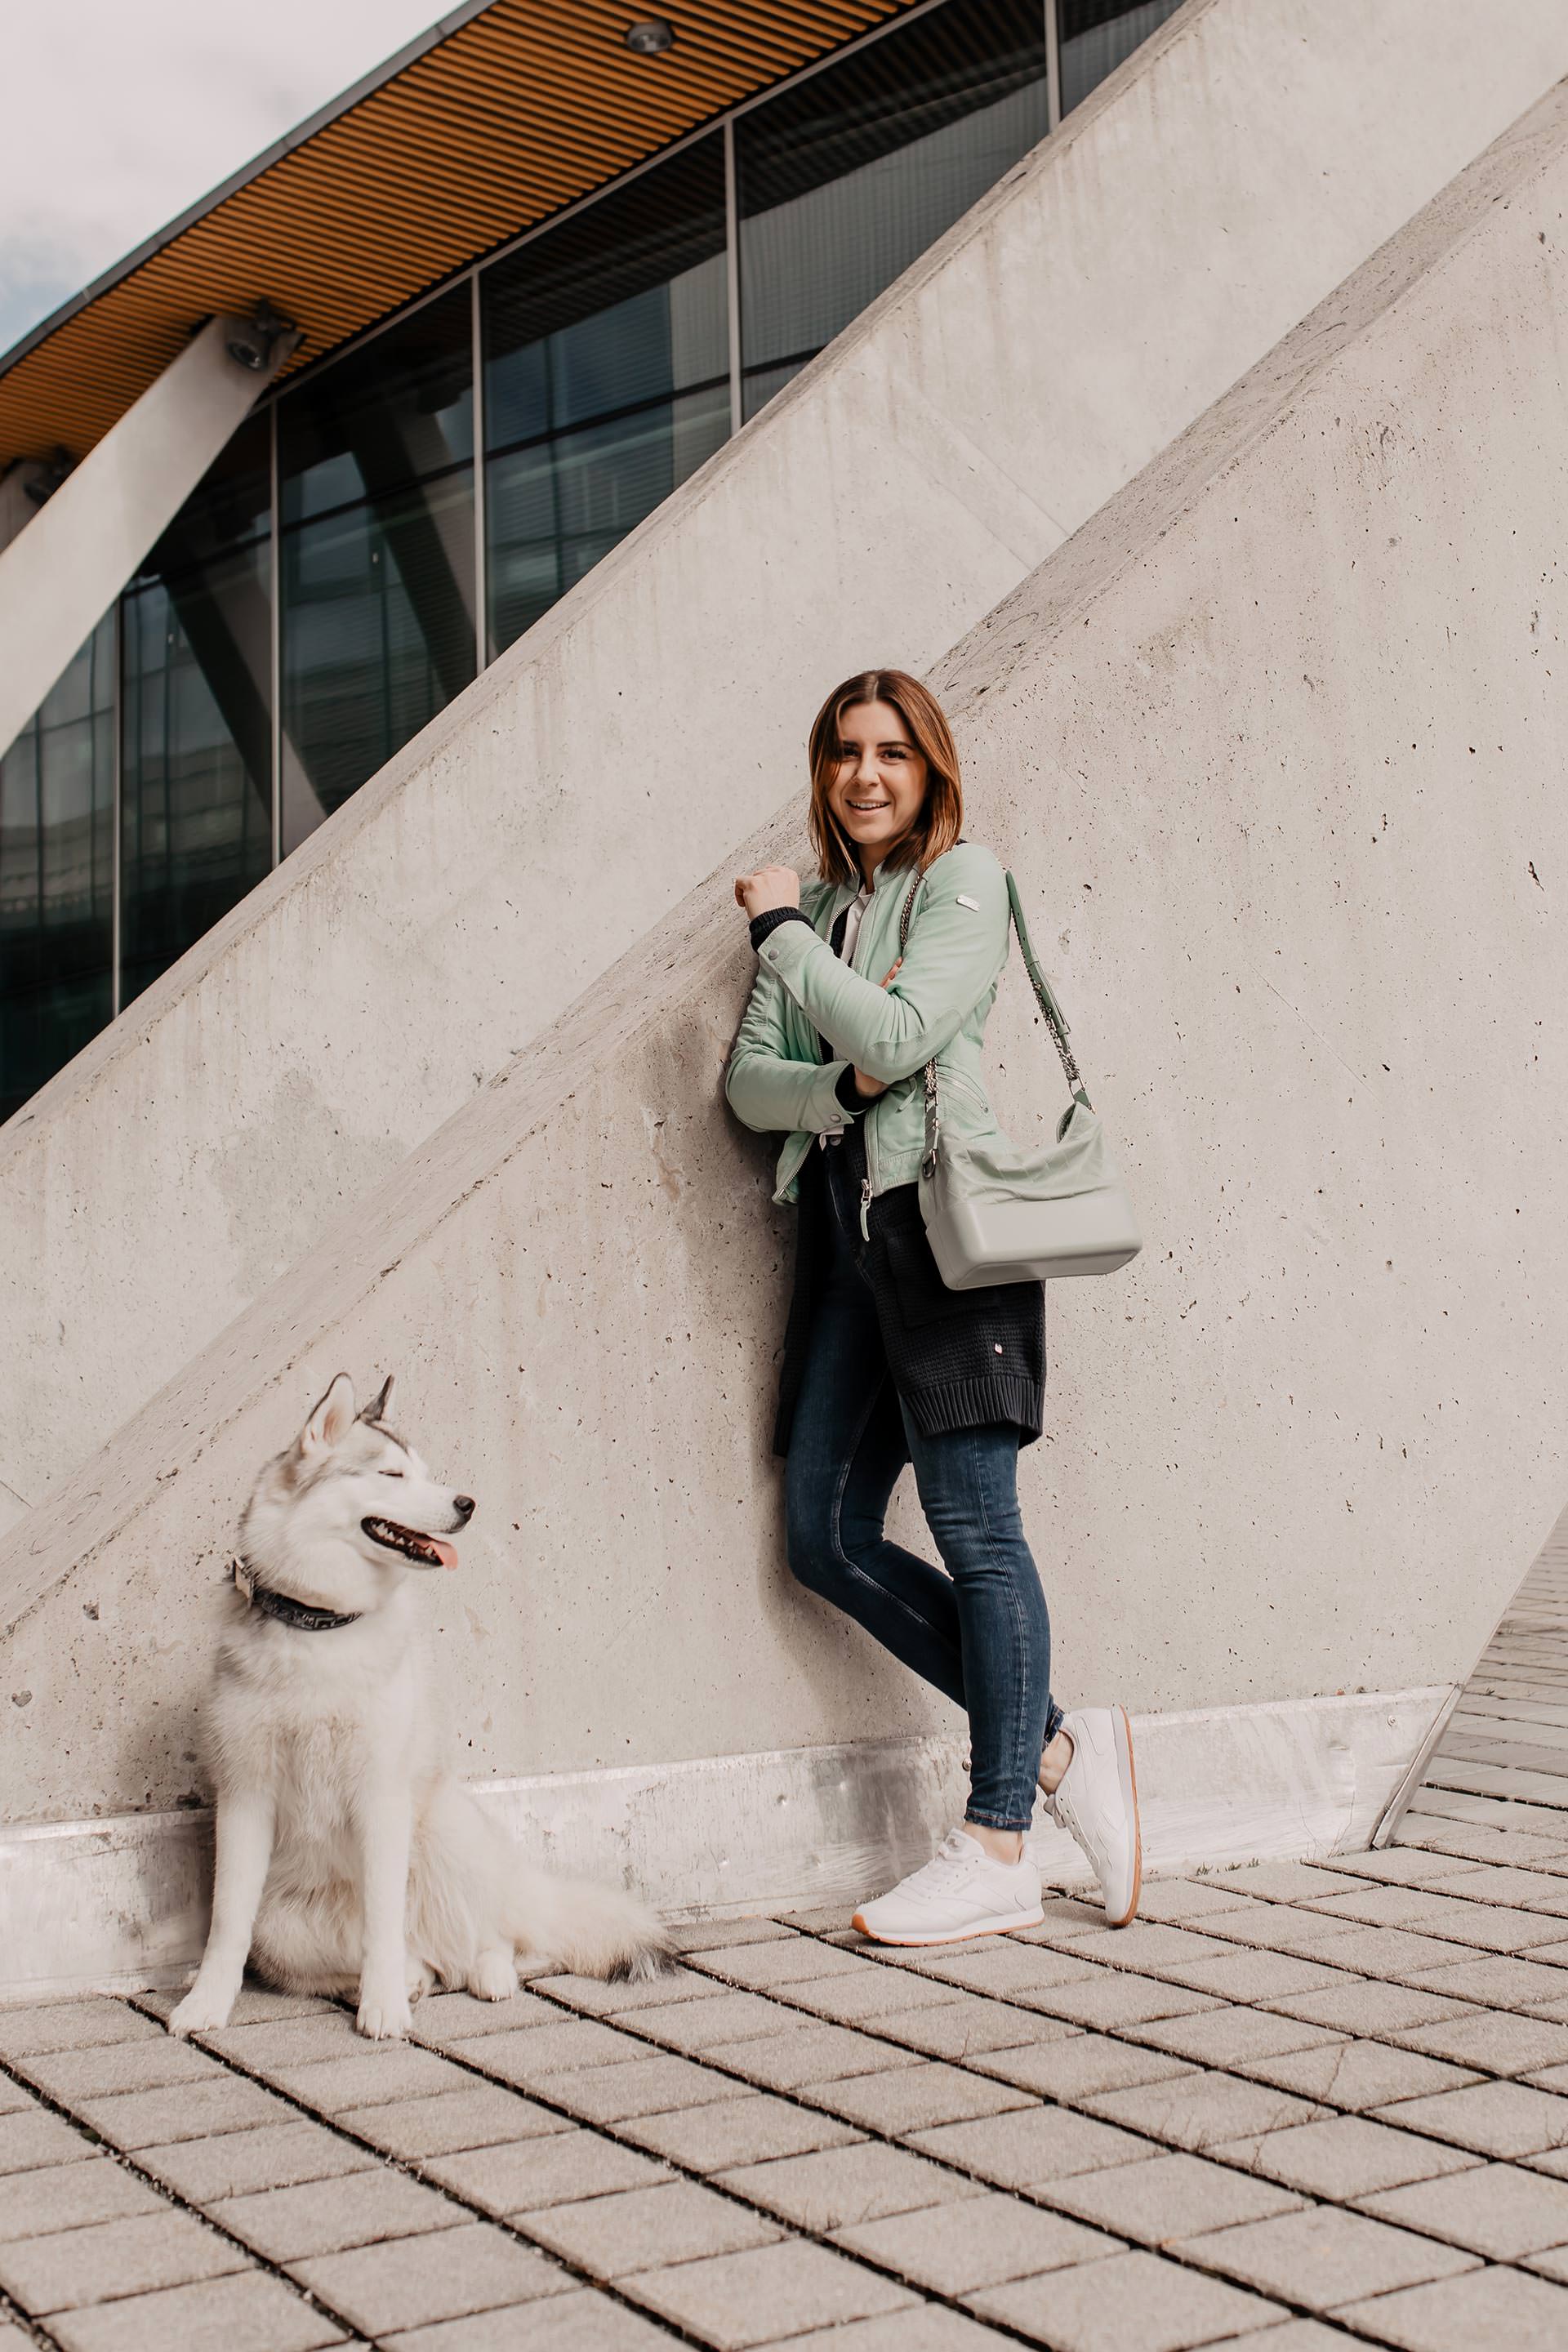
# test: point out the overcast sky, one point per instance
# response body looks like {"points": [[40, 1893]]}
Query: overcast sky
{"points": [[118, 114]]}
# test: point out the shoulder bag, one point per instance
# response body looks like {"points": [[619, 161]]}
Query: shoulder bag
{"points": [[995, 1213]]}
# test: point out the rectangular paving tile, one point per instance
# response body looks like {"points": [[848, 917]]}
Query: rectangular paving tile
{"points": [[1148, 1946], [1225, 2037], [554, 2171], [1135, 2299], [1496, 2306], [913, 2099], [704, 2025], [107, 2068], [867, 1998], [249, 2312], [1201, 2110], [1087, 2063], [736, 2131], [1498, 2042], [266, 2045], [711, 1935], [323, 2216], [1493, 2118], [1495, 1981], [31, 2138], [809, 2054], [1289, 1881], [446, 2017], [378, 2072], [989, 2239], [68, 2196], [186, 2111], [112, 2258], [838, 2186], [443, 2122], [1168, 2198], [278, 2156], [71, 2025], [1497, 2209], [735, 2301], [526, 2056], [1348, 2155], [1354, 2007], [759, 1965], [408, 2282], [1115, 2000], [1358, 2075], [969, 2023], [1176, 1899], [1320, 2257], [646, 2229], [1241, 1975], [1036, 2144], [645, 2087]]}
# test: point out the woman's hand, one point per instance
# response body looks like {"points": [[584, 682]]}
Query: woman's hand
{"points": [[769, 887], [869, 1088]]}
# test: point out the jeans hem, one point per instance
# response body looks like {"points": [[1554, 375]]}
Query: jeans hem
{"points": [[989, 1822]]}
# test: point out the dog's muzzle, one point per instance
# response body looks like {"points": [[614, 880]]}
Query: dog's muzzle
{"points": [[424, 1551]]}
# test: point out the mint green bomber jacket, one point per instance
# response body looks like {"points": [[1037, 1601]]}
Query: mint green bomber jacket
{"points": [[937, 1004]]}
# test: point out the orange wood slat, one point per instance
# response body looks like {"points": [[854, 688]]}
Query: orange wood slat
{"points": [[528, 107]]}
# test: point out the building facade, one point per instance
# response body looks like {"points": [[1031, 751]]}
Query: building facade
{"points": [[395, 515]]}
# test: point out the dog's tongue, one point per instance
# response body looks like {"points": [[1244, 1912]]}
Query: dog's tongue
{"points": [[445, 1552]]}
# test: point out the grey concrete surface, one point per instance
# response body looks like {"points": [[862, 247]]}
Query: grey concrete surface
{"points": [[699, 2208], [1299, 954], [1182, 219]]}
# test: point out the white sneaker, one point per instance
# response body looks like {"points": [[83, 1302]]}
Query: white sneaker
{"points": [[961, 1892], [1095, 1801]]}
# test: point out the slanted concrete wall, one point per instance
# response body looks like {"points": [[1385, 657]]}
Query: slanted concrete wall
{"points": [[1275, 744], [1115, 284]]}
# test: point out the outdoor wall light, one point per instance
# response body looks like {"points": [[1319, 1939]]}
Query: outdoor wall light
{"points": [[649, 37], [249, 341]]}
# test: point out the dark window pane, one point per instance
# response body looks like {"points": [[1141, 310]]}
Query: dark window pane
{"points": [[606, 377], [196, 714], [377, 554], [1096, 34], [847, 178], [56, 856]]}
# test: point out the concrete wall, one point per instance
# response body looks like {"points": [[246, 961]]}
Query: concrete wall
{"points": [[1276, 743], [1111, 288]]}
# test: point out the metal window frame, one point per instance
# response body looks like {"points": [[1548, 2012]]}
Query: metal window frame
{"points": [[724, 126]]}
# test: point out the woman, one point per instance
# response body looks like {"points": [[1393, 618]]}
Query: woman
{"points": [[883, 1364]]}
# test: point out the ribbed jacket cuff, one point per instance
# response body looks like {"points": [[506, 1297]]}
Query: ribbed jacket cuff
{"points": [[762, 924]]}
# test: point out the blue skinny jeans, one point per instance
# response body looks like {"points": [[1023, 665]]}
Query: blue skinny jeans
{"points": [[981, 1633]]}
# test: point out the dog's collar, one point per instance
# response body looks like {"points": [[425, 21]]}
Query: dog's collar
{"points": [[287, 1611]]}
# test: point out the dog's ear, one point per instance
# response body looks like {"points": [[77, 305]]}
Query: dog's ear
{"points": [[377, 1409], [330, 1422]]}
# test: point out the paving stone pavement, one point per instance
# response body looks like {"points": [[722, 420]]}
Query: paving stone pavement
{"points": [[1282, 2109]]}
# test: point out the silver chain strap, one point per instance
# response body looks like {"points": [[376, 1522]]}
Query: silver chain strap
{"points": [[1050, 1010]]}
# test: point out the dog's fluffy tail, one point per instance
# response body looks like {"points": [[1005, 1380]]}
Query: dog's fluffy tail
{"points": [[591, 1930]]}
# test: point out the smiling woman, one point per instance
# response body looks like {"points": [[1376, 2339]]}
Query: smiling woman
{"points": [[884, 967]]}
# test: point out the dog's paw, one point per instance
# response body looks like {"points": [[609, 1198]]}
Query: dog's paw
{"points": [[204, 2009], [493, 1977], [386, 2019]]}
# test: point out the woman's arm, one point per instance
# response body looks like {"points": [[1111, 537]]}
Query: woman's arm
{"points": [[958, 945], [764, 1086]]}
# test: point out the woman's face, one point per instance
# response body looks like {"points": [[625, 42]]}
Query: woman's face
{"points": [[881, 784]]}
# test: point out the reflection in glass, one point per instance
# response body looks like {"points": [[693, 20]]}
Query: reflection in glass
{"points": [[196, 716], [847, 178], [607, 378], [376, 559], [1096, 34], [56, 875]]}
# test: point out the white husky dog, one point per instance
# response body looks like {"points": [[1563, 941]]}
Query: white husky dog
{"points": [[349, 1860]]}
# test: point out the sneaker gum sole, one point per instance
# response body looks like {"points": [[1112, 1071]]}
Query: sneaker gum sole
{"points": [[1129, 1790], [953, 1935]]}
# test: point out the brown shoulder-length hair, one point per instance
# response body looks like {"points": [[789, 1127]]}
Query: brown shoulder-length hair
{"points": [[941, 819]]}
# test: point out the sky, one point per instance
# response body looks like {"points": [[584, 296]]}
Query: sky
{"points": [[120, 113]]}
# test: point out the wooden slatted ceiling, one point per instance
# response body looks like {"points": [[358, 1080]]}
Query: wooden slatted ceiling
{"points": [[519, 108]]}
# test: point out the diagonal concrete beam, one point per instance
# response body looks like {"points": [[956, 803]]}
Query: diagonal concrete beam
{"points": [[59, 576]]}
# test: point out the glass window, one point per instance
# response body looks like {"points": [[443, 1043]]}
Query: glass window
{"points": [[377, 490], [56, 875], [1096, 34], [196, 714], [845, 179], [607, 378]]}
